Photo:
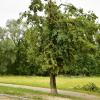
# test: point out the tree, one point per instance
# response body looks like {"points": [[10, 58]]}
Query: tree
{"points": [[16, 31], [97, 57], [7, 55], [57, 38]]}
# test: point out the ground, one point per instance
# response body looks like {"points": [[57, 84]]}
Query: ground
{"points": [[10, 97], [15, 93], [46, 90], [66, 84]]}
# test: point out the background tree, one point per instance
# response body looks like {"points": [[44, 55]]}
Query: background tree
{"points": [[16, 31], [7, 51]]}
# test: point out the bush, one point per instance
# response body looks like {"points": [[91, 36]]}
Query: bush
{"points": [[90, 87]]}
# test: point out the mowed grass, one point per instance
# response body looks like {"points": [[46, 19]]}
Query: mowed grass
{"points": [[34, 95], [64, 83]]}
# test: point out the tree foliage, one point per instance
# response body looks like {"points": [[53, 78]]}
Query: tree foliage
{"points": [[52, 40]]}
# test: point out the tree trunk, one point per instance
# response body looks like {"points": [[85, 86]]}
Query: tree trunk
{"points": [[53, 84]]}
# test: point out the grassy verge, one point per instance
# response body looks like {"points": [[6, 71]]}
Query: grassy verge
{"points": [[64, 83], [34, 95]]}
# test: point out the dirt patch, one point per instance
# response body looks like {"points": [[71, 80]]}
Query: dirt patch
{"points": [[10, 97], [44, 97], [36, 97], [7, 98], [54, 98]]}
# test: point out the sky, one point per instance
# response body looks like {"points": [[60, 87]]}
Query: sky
{"points": [[10, 9]]}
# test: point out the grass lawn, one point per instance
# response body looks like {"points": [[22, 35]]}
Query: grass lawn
{"points": [[62, 82], [34, 95]]}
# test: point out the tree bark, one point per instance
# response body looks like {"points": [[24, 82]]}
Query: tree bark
{"points": [[53, 83]]}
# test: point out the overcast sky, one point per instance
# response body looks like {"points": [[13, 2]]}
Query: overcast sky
{"points": [[10, 9]]}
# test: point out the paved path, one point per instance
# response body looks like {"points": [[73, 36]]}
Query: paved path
{"points": [[67, 93]]}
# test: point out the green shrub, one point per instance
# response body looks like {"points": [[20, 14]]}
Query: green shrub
{"points": [[90, 87]]}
